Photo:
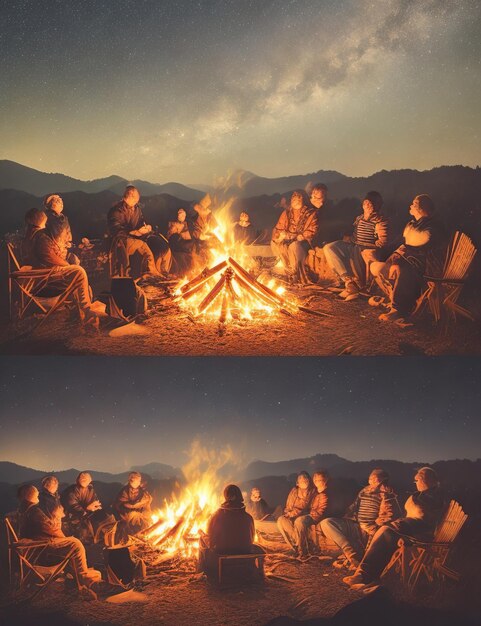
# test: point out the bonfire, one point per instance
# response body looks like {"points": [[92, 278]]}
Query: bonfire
{"points": [[227, 289], [177, 526]]}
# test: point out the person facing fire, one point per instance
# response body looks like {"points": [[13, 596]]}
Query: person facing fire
{"points": [[127, 224], [375, 505], [321, 507], [371, 241], [293, 235], [179, 234], [244, 231], [49, 497], [34, 524], [203, 228], [257, 506], [401, 276], [58, 227], [84, 509], [230, 531], [133, 504], [298, 504], [424, 510]]}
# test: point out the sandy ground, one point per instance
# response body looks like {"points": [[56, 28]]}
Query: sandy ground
{"points": [[175, 595], [352, 328]]}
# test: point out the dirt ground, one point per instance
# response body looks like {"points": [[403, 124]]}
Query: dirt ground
{"points": [[175, 595], [352, 328]]}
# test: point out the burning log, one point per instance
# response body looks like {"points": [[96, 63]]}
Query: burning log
{"points": [[170, 533], [305, 309], [203, 277], [212, 295], [151, 529], [259, 294], [239, 270]]}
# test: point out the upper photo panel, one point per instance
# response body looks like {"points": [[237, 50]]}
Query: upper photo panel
{"points": [[250, 178]]}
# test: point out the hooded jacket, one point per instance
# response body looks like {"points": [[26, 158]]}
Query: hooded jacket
{"points": [[231, 529], [299, 502]]}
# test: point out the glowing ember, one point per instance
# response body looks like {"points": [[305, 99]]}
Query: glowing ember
{"points": [[176, 526]]}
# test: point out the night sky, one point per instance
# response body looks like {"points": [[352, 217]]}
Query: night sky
{"points": [[186, 89], [110, 413]]}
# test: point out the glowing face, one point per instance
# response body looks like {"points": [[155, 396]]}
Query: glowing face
{"points": [[84, 480], [181, 215], [296, 202], [302, 482], [415, 209], [131, 197], [367, 208], [420, 482], [374, 480], [57, 204], [134, 482], [51, 485], [320, 482], [318, 197], [255, 495]]}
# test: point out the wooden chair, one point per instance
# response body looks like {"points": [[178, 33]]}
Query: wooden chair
{"points": [[429, 558], [30, 284], [442, 293], [237, 560], [25, 553]]}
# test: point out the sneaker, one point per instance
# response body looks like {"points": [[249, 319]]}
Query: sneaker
{"points": [[340, 563], [391, 316], [350, 289], [377, 301], [354, 579]]}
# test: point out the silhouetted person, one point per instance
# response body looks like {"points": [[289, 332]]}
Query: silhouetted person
{"points": [[133, 504], [58, 227]]}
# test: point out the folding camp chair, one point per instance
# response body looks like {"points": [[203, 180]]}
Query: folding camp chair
{"points": [[429, 558], [442, 293], [29, 284], [25, 554]]}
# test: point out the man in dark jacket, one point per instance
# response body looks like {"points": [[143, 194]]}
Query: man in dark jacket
{"points": [[230, 531], [84, 509], [375, 505], [133, 504], [424, 510], [244, 231], [126, 223], [257, 506], [371, 241]]}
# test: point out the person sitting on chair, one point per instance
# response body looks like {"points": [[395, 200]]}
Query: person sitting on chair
{"points": [[401, 276], [35, 222], [293, 235], [127, 225], [230, 531], [58, 227], [133, 504], [84, 509], [424, 510], [375, 505], [298, 504], [49, 497], [46, 254], [34, 524], [371, 241]]}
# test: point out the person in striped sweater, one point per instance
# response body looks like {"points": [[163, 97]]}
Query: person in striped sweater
{"points": [[371, 241], [375, 505]]}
